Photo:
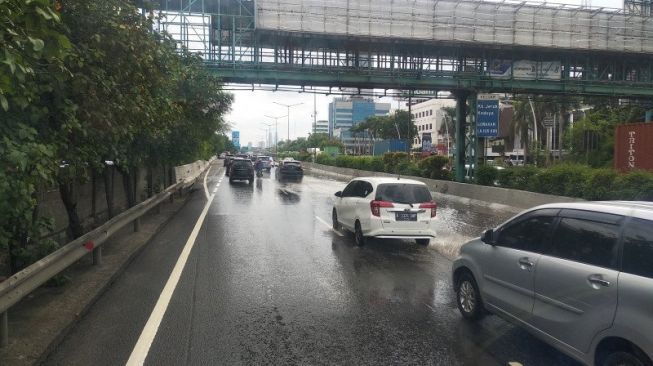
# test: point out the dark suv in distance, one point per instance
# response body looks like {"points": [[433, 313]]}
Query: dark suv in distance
{"points": [[241, 169], [290, 169], [577, 275]]}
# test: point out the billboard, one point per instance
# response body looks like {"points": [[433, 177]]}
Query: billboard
{"points": [[427, 143], [632, 146], [235, 139], [525, 69], [487, 116]]}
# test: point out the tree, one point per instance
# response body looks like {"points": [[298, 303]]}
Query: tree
{"points": [[90, 85], [397, 125], [592, 137], [31, 73]]}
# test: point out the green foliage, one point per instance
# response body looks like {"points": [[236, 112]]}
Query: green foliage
{"points": [[392, 161], [325, 159], [34, 48], [486, 175], [517, 177], [388, 127], [592, 138], [317, 140], [601, 184], [432, 167], [93, 83], [562, 180], [634, 185]]}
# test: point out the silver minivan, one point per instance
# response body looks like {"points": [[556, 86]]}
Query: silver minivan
{"points": [[577, 275]]}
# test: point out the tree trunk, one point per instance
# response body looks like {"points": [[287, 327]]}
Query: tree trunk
{"points": [[93, 196], [128, 185], [163, 177], [67, 190], [136, 173], [150, 182], [109, 172]]}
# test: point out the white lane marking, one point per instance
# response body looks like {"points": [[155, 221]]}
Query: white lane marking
{"points": [[328, 225], [206, 190], [142, 347]]}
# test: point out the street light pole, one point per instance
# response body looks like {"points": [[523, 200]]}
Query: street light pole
{"points": [[267, 136], [276, 132], [288, 106]]}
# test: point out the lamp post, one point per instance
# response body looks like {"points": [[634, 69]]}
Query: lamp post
{"points": [[288, 106], [276, 132], [267, 132]]}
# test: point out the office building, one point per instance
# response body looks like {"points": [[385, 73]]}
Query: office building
{"points": [[429, 118], [321, 127], [344, 113]]}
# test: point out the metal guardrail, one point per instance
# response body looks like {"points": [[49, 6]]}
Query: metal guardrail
{"points": [[21, 284]]}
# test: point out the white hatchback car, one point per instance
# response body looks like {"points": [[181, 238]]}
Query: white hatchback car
{"points": [[386, 208]]}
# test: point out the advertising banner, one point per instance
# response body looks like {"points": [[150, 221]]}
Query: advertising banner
{"points": [[487, 116], [235, 139], [632, 147], [525, 69], [427, 143]]}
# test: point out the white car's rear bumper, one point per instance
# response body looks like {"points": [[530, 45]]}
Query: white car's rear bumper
{"points": [[420, 231]]}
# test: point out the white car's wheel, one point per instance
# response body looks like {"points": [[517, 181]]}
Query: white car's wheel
{"points": [[358, 234]]}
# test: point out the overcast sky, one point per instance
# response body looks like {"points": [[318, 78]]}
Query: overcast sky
{"points": [[250, 107]]}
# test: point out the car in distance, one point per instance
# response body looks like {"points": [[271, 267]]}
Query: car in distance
{"points": [[386, 208], [577, 275], [241, 169], [267, 162], [290, 169]]}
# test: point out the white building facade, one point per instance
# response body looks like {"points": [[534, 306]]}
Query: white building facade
{"points": [[321, 127], [429, 118]]}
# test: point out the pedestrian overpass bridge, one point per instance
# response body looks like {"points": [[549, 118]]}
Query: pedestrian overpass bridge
{"points": [[422, 47], [453, 45]]}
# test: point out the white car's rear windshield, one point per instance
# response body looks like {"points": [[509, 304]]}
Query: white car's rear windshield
{"points": [[403, 193]]}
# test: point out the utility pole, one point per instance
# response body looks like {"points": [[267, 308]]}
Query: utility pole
{"points": [[314, 113], [276, 132], [267, 133], [288, 106]]}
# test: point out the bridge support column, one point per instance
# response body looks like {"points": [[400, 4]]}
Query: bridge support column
{"points": [[461, 121], [648, 116]]}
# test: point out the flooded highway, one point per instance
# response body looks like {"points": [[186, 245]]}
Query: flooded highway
{"points": [[269, 282]]}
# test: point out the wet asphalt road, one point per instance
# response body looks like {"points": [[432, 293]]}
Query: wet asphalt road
{"points": [[268, 282]]}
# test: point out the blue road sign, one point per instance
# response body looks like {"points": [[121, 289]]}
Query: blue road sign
{"points": [[235, 139], [487, 118]]}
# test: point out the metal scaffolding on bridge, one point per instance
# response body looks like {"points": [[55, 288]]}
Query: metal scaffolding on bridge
{"points": [[461, 46]]}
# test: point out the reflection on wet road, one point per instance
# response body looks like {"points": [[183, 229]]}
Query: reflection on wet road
{"points": [[269, 282]]}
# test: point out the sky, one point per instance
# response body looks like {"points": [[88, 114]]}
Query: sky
{"points": [[250, 107]]}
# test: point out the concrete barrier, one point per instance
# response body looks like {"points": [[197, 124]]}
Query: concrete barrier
{"points": [[495, 197]]}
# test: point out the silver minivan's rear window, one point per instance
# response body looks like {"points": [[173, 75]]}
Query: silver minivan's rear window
{"points": [[403, 193]]}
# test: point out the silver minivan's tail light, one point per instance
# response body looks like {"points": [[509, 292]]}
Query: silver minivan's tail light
{"points": [[376, 206], [432, 205]]}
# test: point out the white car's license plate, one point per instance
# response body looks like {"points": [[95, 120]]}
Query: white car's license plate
{"points": [[405, 216]]}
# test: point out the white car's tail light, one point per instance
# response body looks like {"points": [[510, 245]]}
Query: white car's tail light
{"points": [[432, 205], [376, 206]]}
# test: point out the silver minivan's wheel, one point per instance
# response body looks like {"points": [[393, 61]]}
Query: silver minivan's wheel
{"points": [[468, 297], [358, 234], [334, 219], [621, 358], [423, 241]]}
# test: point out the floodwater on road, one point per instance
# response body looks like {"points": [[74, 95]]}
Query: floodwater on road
{"points": [[269, 282]]}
